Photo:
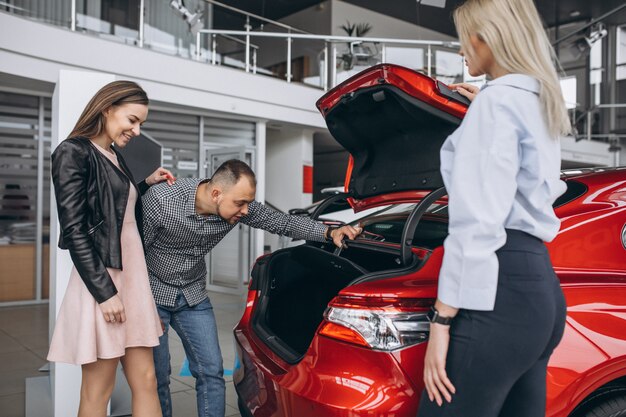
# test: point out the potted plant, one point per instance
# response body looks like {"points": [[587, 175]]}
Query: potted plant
{"points": [[356, 50]]}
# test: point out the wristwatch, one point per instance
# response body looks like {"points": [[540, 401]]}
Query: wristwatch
{"points": [[434, 317]]}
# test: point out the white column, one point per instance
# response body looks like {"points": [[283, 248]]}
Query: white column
{"points": [[72, 93], [260, 136]]}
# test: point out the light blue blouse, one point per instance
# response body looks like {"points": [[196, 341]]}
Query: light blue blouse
{"points": [[501, 169]]}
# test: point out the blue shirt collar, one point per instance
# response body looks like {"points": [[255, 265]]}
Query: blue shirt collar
{"points": [[522, 81]]}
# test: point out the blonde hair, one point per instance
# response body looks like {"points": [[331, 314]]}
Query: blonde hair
{"points": [[91, 122], [513, 31]]}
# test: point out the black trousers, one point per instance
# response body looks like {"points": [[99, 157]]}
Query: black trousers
{"points": [[497, 359]]}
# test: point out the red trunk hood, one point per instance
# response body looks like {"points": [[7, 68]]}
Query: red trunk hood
{"points": [[392, 121]]}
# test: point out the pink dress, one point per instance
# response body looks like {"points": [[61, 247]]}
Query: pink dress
{"points": [[81, 334]]}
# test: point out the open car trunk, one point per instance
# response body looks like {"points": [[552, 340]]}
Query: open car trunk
{"points": [[298, 283], [393, 122]]}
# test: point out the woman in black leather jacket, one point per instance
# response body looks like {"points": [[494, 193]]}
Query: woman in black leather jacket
{"points": [[108, 313]]}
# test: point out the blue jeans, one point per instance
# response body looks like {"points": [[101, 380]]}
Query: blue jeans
{"points": [[198, 332]]}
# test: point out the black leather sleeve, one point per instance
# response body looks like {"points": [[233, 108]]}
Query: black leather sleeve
{"points": [[70, 168], [143, 187]]}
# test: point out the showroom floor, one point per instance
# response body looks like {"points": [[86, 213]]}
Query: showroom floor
{"points": [[24, 345]]}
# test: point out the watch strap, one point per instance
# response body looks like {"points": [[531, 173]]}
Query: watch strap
{"points": [[434, 317]]}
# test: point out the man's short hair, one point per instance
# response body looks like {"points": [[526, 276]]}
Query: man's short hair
{"points": [[231, 171]]}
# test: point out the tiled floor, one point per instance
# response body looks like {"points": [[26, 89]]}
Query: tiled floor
{"points": [[24, 345]]}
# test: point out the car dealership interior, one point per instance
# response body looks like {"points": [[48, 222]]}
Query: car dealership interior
{"points": [[289, 88]]}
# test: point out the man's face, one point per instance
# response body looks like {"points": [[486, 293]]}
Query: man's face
{"points": [[232, 203]]}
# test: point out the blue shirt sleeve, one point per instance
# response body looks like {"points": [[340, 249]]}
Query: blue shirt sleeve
{"points": [[483, 161]]}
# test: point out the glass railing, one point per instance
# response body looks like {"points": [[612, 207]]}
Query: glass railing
{"points": [[324, 61], [55, 12]]}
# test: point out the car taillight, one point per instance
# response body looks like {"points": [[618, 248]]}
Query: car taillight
{"points": [[378, 323]]}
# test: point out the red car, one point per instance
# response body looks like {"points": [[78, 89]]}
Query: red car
{"points": [[330, 332]]}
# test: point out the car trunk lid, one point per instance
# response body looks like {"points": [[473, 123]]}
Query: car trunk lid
{"points": [[392, 121]]}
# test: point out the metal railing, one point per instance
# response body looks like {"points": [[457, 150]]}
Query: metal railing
{"points": [[248, 46], [588, 116], [329, 50]]}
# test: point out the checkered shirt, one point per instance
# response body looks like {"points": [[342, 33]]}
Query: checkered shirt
{"points": [[177, 239]]}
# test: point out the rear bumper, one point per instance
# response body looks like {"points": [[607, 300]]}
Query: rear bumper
{"points": [[350, 381]]}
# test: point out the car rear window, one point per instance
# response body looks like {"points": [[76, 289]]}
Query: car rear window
{"points": [[387, 225], [574, 190]]}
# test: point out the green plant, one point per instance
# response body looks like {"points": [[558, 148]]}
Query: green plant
{"points": [[355, 48], [358, 29]]}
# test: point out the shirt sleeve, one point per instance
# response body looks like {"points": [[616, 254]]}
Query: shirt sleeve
{"points": [[152, 216], [263, 217], [481, 189]]}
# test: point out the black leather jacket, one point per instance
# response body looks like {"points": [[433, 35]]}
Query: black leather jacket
{"points": [[91, 195]]}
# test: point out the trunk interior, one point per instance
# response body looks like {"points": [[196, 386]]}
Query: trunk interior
{"points": [[299, 283]]}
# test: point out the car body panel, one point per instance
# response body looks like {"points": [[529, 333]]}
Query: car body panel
{"points": [[353, 382]]}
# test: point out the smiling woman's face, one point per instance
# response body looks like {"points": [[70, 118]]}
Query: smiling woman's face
{"points": [[123, 122]]}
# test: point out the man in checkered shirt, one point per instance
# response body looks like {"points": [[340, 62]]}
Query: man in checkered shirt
{"points": [[182, 223]]}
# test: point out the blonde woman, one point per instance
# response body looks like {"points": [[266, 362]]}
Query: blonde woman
{"points": [[500, 311], [108, 314]]}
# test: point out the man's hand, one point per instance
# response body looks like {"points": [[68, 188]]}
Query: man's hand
{"points": [[337, 235], [161, 174]]}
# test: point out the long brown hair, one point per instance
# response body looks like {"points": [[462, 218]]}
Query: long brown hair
{"points": [[91, 123]]}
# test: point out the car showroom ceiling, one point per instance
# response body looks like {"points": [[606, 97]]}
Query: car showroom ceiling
{"points": [[553, 12]]}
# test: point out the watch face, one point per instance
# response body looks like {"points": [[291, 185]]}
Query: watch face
{"points": [[434, 317], [431, 314]]}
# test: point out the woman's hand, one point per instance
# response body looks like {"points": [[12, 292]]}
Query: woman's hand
{"points": [[436, 380], [113, 310], [466, 90], [161, 174]]}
